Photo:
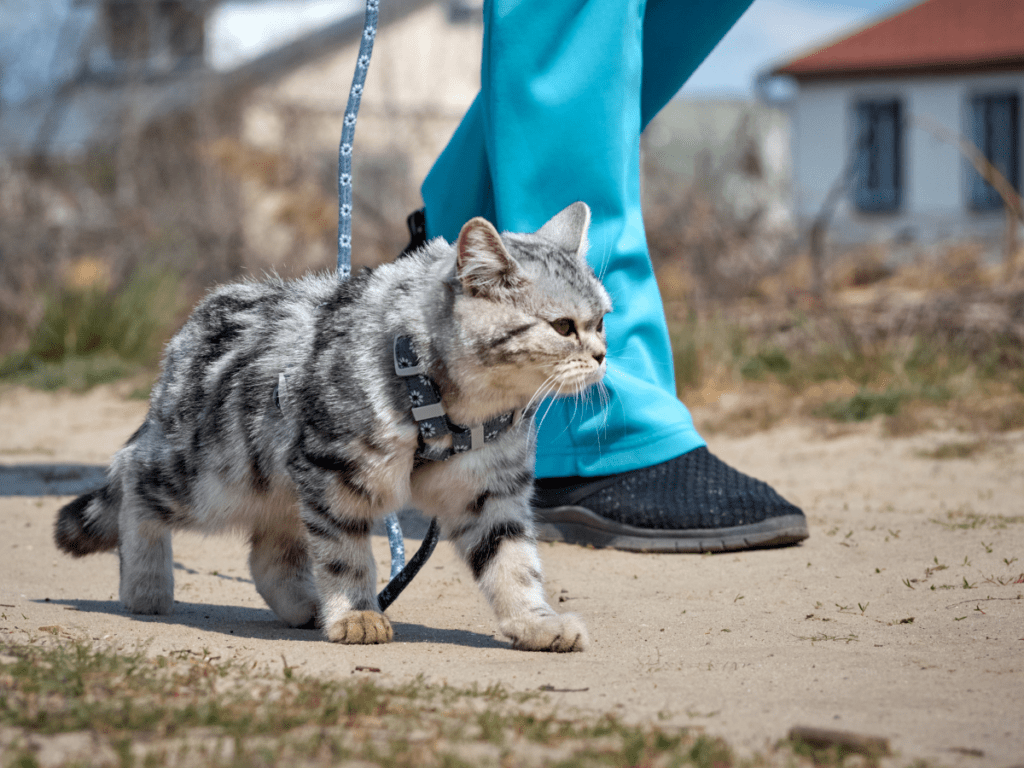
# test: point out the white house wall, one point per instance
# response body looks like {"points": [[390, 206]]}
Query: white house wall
{"points": [[424, 75], [935, 203]]}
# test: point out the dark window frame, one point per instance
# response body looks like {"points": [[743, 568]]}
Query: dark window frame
{"points": [[154, 36], [127, 26], [878, 181], [987, 113]]}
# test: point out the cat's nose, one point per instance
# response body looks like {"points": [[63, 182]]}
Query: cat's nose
{"points": [[599, 356]]}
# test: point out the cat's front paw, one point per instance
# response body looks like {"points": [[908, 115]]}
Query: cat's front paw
{"points": [[361, 627], [558, 632]]}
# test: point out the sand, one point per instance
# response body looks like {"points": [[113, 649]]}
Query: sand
{"points": [[901, 617]]}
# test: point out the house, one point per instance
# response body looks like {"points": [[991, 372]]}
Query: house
{"points": [[223, 119], [74, 72], [424, 75], [736, 149], [884, 121]]}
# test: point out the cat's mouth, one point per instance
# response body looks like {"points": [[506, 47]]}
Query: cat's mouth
{"points": [[576, 381]]}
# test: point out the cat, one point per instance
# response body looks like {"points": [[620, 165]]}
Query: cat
{"points": [[287, 411]]}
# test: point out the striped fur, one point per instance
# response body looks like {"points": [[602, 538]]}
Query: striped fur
{"points": [[305, 473]]}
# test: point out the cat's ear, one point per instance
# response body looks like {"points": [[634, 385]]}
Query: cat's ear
{"points": [[568, 228], [484, 267]]}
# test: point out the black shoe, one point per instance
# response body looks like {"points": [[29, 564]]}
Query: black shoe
{"points": [[692, 503], [416, 222]]}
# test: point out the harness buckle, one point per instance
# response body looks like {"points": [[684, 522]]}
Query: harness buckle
{"points": [[406, 362]]}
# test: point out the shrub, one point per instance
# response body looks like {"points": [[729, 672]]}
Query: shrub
{"points": [[863, 406], [91, 335]]}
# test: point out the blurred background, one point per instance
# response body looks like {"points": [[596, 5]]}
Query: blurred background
{"points": [[831, 201]]}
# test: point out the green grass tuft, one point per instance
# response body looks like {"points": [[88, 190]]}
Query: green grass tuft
{"points": [[768, 361], [862, 406], [89, 336], [955, 450]]}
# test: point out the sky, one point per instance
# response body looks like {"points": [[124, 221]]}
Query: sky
{"points": [[240, 34], [770, 30], [775, 30]]}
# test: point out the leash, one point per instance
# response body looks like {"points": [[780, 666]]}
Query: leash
{"points": [[401, 574]]}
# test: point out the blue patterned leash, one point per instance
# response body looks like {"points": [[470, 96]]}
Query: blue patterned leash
{"points": [[348, 133], [401, 574]]}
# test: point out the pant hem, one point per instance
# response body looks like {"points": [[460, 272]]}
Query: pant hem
{"points": [[624, 458]]}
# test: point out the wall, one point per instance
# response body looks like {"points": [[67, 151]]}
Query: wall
{"points": [[424, 74], [935, 181]]}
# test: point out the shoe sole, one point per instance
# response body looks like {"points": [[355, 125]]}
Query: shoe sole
{"points": [[578, 525]]}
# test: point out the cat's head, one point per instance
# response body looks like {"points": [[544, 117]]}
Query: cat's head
{"points": [[529, 309]]}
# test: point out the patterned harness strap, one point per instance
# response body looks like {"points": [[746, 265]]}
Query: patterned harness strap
{"points": [[428, 411]]}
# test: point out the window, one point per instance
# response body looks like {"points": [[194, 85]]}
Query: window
{"points": [[465, 11], [878, 182], [155, 35], [184, 23], [995, 129], [127, 28]]}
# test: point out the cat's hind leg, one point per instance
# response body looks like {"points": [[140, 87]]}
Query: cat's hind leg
{"points": [[280, 567], [144, 547]]}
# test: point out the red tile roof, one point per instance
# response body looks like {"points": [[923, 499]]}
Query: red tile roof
{"points": [[934, 36]]}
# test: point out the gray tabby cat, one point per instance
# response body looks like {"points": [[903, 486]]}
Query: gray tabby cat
{"points": [[298, 413]]}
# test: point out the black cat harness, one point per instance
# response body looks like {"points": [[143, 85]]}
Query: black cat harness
{"points": [[429, 414]]}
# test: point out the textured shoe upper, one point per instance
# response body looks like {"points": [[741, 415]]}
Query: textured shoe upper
{"points": [[695, 490]]}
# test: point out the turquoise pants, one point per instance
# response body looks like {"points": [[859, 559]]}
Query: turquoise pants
{"points": [[567, 87]]}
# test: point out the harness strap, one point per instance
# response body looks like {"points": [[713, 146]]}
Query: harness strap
{"points": [[429, 414]]}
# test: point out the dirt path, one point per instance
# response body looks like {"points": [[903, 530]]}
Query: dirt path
{"points": [[902, 616]]}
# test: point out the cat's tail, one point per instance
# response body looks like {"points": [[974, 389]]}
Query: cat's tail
{"points": [[89, 523]]}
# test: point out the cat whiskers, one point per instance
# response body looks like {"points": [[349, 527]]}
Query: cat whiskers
{"points": [[599, 392], [577, 397], [545, 388], [578, 393], [605, 397], [550, 390]]}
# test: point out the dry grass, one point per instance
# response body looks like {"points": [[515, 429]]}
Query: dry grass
{"points": [[91, 333], [934, 343], [66, 703]]}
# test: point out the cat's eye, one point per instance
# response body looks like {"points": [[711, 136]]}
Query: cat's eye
{"points": [[564, 326], [600, 325]]}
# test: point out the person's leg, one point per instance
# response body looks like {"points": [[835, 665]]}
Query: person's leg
{"points": [[566, 89], [459, 184], [678, 36], [558, 120]]}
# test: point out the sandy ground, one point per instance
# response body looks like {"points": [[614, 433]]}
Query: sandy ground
{"points": [[902, 616]]}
